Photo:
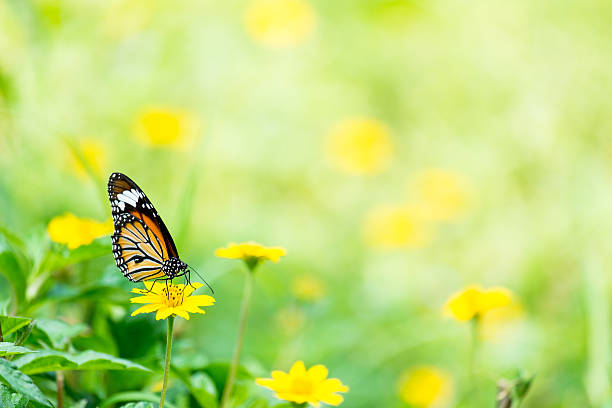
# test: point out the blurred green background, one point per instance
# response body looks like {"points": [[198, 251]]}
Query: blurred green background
{"points": [[399, 150]]}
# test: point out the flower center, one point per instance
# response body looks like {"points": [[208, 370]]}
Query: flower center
{"points": [[173, 295], [302, 386]]}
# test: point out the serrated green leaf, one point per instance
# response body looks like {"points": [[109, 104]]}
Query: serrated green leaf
{"points": [[10, 324], [51, 360], [21, 383], [9, 349], [10, 399], [58, 332]]}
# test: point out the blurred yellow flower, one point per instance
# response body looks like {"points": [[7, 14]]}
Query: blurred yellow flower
{"points": [[290, 320], [360, 145], [279, 23], [93, 153], [167, 127], [305, 386], [74, 231], [392, 227], [497, 323], [475, 302], [443, 192], [251, 252], [173, 300], [424, 387], [308, 288]]}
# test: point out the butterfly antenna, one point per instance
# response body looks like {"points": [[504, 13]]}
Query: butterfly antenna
{"points": [[200, 276]]}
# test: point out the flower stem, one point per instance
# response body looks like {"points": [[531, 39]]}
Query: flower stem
{"points": [[167, 367], [59, 379], [244, 309], [473, 348]]}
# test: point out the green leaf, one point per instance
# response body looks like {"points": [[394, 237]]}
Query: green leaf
{"points": [[200, 386], [139, 405], [137, 398], [50, 360], [59, 256], [260, 403], [9, 267], [9, 399], [21, 383], [10, 324], [58, 332], [218, 374], [9, 349]]}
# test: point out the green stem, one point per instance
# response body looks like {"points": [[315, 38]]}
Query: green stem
{"points": [[167, 367], [475, 322], [59, 379], [244, 308]]}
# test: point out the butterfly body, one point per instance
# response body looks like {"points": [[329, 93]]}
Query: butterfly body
{"points": [[142, 245]]}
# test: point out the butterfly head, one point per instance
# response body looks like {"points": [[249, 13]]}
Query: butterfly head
{"points": [[173, 267]]}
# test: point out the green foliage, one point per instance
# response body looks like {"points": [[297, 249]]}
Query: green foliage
{"points": [[51, 360], [10, 399], [58, 334], [11, 324], [9, 349], [21, 383]]}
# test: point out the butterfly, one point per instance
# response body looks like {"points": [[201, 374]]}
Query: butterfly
{"points": [[142, 245]]}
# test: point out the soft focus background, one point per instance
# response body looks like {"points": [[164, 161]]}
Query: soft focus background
{"points": [[399, 150]]}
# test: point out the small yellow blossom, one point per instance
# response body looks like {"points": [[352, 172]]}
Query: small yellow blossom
{"points": [[360, 146], [393, 227], [162, 126], [290, 320], [94, 154], [300, 385], [475, 302], [279, 23], [424, 387], [444, 193], [170, 300], [74, 231], [308, 288], [251, 252]]}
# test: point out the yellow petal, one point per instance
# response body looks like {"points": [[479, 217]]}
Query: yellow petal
{"points": [[191, 309], [331, 399], [200, 300], [317, 373], [163, 313], [147, 309], [181, 312], [189, 289], [298, 369], [265, 382], [147, 299]]}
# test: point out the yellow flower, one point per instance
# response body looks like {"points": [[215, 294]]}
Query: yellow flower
{"points": [[424, 387], [360, 146], [173, 300], [161, 126], [443, 192], [301, 385], [279, 23], [251, 252], [74, 231], [392, 227], [475, 302], [93, 153], [308, 288]]}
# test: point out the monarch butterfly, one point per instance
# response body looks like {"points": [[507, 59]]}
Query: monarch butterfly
{"points": [[142, 246]]}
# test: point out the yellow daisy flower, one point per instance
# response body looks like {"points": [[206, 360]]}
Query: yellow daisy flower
{"points": [[360, 146], [163, 126], [251, 252], [305, 386], [395, 227], [475, 302], [73, 231], [424, 387], [173, 300], [279, 23]]}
